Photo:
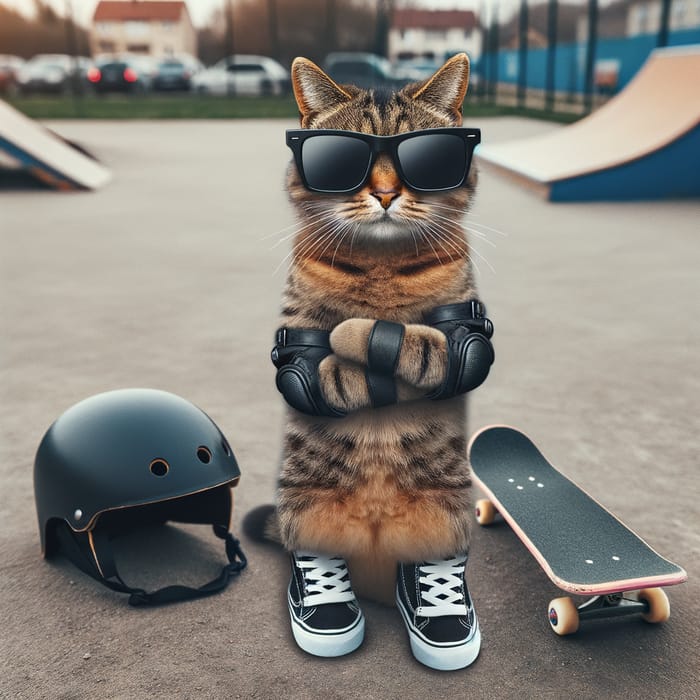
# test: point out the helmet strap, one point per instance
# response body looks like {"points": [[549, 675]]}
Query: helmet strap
{"points": [[92, 553]]}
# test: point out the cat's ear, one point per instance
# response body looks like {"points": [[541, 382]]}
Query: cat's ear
{"points": [[446, 89], [315, 92]]}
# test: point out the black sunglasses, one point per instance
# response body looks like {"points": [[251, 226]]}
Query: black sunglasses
{"points": [[430, 160]]}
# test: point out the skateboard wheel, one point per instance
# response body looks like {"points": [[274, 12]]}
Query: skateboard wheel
{"points": [[563, 616], [484, 511], [659, 607]]}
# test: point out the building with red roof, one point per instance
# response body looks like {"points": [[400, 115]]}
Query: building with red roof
{"points": [[152, 27], [436, 34]]}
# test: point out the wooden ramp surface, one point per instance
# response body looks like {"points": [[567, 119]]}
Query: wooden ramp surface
{"points": [[27, 145], [660, 106]]}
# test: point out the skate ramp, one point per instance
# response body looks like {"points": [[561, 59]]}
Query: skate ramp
{"points": [[27, 146], [642, 144]]}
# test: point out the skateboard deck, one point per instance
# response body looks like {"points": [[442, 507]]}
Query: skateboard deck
{"points": [[582, 547]]}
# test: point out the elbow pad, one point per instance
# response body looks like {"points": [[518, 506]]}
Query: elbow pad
{"points": [[469, 350], [297, 355]]}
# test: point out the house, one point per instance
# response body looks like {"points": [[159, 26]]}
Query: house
{"points": [[635, 17], [644, 16], [433, 33], [151, 27]]}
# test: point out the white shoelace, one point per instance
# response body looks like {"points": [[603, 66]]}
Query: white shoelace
{"points": [[444, 596], [324, 576]]}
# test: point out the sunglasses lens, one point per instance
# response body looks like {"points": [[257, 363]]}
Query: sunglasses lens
{"points": [[433, 161], [334, 163]]}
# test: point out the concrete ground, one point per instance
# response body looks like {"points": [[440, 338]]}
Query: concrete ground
{"points": [[170, 278]]}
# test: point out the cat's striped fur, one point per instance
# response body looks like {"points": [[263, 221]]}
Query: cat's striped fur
{"points": [[390, 484]]}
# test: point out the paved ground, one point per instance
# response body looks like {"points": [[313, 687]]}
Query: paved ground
{"points": [[167, 279]]}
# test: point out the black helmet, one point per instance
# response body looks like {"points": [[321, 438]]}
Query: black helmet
{"points": [[127, 458]]}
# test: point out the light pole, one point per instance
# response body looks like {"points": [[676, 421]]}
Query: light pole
{"points": [[551, 52], [590, 54], [523, 49], [231, 66]]}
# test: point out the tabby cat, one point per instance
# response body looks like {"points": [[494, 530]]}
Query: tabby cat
{"points": [[378, 502]]}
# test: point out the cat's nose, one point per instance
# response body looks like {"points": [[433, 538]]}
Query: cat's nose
{"points": [[385, 197]]}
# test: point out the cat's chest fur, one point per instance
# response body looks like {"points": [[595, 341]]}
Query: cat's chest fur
{"points": [[401, 289]]}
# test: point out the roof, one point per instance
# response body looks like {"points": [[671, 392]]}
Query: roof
{"points": [[433, 19], [135, 10]]}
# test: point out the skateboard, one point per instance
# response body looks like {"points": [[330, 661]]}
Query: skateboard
{"points": [[582, 547]]}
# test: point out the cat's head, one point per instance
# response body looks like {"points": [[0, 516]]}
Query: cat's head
{"points": [[385, 208]]}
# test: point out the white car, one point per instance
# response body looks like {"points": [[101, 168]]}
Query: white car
{"points": [[53, 73], [243, 75]]}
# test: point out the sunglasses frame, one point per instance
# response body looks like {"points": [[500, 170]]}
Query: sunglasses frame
{"points": [[381, 144]]}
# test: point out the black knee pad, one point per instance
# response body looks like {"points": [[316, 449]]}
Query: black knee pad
{"points": [[469, 350], [297, 355]]}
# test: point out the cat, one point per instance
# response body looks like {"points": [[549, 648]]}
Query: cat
{"points": [[361, 494]]}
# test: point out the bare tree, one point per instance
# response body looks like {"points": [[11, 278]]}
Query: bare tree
{"points": [[45, 33], [288, 28]]}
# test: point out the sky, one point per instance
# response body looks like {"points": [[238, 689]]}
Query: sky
{"points": [[200, 10]]}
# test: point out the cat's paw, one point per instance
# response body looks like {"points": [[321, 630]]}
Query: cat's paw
{"points": [[349, 339], [422, 357], [343, 384]]}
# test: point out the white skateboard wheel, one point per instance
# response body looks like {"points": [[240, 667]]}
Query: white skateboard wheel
{"points": [[563, 616]]}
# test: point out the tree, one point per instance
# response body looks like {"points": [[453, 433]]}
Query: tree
{"points": [[46, 33], [288, 28]]}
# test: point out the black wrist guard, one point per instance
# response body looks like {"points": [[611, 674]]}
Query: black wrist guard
{"points": [[297, 355], [469, 350]]}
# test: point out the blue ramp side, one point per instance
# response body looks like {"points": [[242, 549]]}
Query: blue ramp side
{"points": [[671, 171]]}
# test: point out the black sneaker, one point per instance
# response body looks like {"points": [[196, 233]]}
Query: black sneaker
{"points": [[438, 612], [326, 619]]}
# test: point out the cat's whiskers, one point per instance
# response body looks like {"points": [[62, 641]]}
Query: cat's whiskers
{"points": [[328, 238], [350, 227], [314, 241], [338, 233], [477, 234], [311, 240], [411, 227], [445, 239], [430, 233], [469, 215], [475, 224], [298, 227]]}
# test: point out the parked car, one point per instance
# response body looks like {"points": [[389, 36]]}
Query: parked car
{"points": [[415, 69], [243, 75], [9, 67], [365, 70], [175, 73], [122, 74], [56, 73]]}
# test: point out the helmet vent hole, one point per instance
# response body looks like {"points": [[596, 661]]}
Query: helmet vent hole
{"points": [[204, 454], [159, 467], [226, 446]]}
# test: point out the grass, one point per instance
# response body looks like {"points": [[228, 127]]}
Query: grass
{"points": [[204, 107]]}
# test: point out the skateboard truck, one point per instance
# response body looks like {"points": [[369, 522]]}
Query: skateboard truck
{"points": [[651, 603]]}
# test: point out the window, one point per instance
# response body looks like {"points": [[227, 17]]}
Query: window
{"points": [[642, 18], [104, 27], [435, 34], [245, 68], [136, 30], [678, 14]]}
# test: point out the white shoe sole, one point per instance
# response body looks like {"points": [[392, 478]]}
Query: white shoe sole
{"points": [[442, 658], [331, 644]]}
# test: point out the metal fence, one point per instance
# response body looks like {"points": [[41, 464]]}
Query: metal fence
{"points": [[572, 75]]}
